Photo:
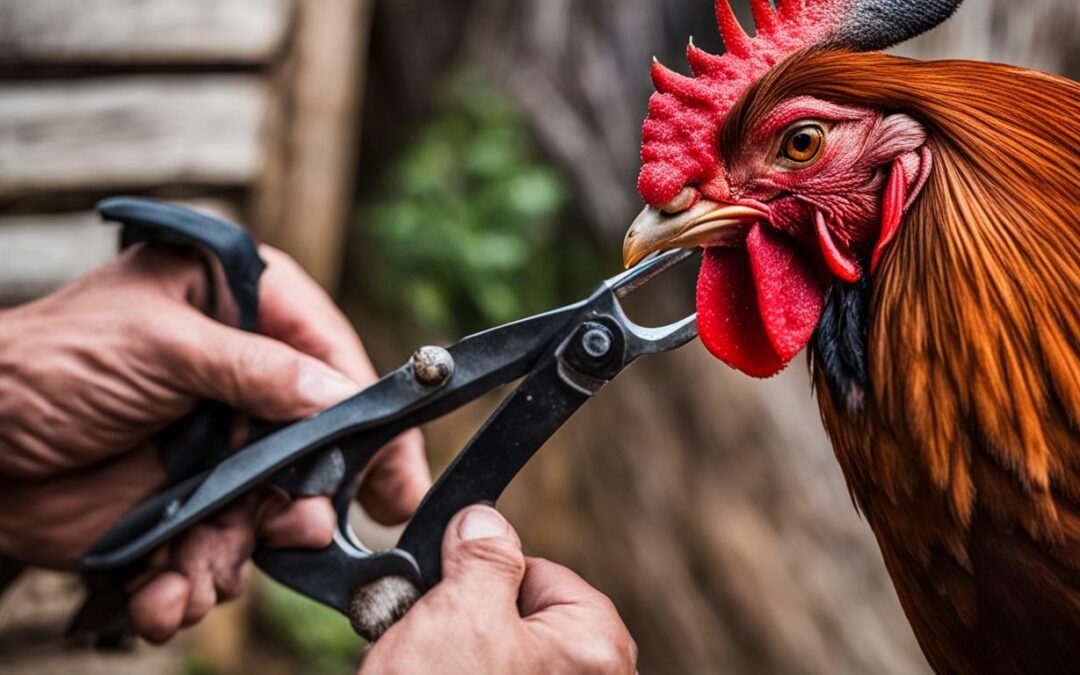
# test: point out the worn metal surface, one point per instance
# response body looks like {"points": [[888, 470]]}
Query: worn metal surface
{"points": [[432, 366]]}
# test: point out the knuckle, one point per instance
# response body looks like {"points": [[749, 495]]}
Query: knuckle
{"points": [[632, 649], [496, 554], [261, 365], [176, 342], [255, 372], [232, 585], [609, 657], [174, 267], [612, 651], [250, 360]]}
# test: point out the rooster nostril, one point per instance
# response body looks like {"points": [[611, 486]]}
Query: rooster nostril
{"points": [[682, 201]]}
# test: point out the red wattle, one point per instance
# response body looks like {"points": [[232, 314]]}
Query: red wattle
{"points": [[892, 210], [839, 263], [757, 306], [729, 322]]}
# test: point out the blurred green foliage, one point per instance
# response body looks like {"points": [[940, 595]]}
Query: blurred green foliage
{"points": [[469, 227], [319, 640], [194, 664]]}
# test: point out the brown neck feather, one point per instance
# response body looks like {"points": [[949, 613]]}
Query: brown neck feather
{"points": [[966, 457], [974, 337]]}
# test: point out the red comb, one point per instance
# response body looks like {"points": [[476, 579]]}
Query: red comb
{"points": [[679, 138]]}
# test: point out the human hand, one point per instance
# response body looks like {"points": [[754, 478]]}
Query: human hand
{"points": [[90, 373], [497, 611]]}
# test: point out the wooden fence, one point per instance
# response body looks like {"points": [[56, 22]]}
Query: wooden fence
{"points": [[246, 108]]}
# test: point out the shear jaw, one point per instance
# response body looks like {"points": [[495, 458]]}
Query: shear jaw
{"points": [[648, 269], [645, 339]]}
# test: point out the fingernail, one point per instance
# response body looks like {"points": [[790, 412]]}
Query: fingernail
{"points": [[481, 522], [324, 385]]}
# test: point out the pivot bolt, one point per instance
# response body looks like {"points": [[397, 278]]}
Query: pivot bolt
{"points": [[432, 366], [596, 342]]}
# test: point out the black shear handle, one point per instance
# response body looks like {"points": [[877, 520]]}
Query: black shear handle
{"points": [[233, 268]]}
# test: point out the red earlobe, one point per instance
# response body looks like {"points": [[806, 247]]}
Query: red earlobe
{"points": [[841, 265], [892, 209]]}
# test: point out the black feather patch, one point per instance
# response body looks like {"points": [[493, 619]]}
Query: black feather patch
{"points": [[839, 344]]}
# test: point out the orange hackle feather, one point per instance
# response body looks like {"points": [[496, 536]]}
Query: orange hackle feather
{"points": [[966, 459]]}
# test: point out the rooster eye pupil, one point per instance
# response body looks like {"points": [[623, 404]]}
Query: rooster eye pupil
{"points": [[803, 144]]}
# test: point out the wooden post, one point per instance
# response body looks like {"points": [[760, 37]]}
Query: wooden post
{"points": [[302, 203]]}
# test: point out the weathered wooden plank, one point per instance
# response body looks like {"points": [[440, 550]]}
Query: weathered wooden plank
{"points": [[134, 132], [157, 31], [40, 253]]}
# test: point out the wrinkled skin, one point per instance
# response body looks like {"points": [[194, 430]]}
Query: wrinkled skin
{"points": [[90, 373], [845, 183], [497, 611]]}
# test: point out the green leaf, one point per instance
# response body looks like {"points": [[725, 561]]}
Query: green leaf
{"points": [[468, 229]]}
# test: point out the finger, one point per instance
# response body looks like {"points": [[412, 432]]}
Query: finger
{"points": [[396, 480], [559, 607], [203, 595], [308, 522], [176, 270], [297, 311], [157, 563], [213, 557], [252, 373], [157, 610], [293, 308], [547, 585], [482, 561]]}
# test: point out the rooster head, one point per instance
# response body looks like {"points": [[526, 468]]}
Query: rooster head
{"points": [[788, 197]]}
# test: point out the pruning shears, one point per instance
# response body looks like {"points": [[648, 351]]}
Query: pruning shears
{"points": [[565, 356]]}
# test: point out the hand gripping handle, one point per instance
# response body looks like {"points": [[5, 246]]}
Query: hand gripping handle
{"points": [[233, 268], [198, 441]]}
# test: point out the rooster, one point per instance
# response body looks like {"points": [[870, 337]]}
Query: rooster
{"points": [[917, 226]]}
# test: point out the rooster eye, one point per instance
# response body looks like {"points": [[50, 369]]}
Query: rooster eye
{"points": [[802, 145]]}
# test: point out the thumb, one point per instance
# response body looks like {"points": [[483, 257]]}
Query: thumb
{"points": [[258, 375], [482, 558]]}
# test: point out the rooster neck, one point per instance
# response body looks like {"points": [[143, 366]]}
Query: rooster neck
{"points": [[965, 458]]}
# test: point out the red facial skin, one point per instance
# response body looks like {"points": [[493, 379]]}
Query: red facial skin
{"points": [[679, 135], [845, 183], [757, 314]]}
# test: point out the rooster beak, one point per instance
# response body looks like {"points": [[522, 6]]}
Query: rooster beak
{"points": [[707, 223]]}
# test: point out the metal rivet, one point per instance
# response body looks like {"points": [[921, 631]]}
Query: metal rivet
{"points": [[432, 366], [596, 342], [172, 509]]}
